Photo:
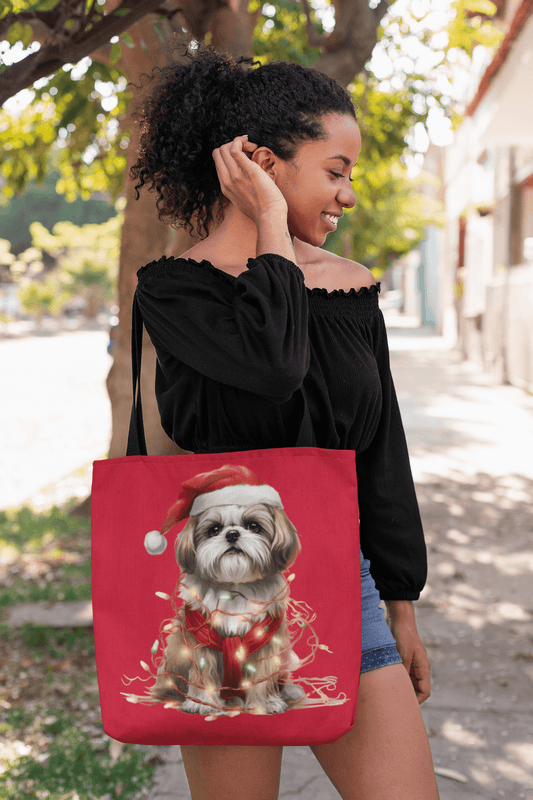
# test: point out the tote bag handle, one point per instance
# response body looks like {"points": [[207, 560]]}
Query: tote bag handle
{"points": [[136, 439]]}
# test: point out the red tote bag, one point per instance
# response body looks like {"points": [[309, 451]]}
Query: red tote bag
{"points": [[226, 592]]}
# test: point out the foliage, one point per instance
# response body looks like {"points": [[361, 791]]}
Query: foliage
{"points": [[73, 766], [39, 299], [389, 219], [49, 674], [67, 114], [472, 25], [48, 556], [40, 202], [279, 33], [86, 257]]}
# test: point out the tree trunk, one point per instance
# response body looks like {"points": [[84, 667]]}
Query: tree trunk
{"points": [[143, 239]]}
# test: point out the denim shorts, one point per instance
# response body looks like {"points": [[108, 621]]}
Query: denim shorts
{"points": [[379, 646]]}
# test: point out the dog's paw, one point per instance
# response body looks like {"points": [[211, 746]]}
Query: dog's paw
{"points": [[270, 705], [196, 707], [292, 693]]}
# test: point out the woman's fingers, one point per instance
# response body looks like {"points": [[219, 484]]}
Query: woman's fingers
{"points": [[245, 183]]}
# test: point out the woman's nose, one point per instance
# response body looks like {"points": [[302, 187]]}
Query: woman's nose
{"points": [[346, 197]]}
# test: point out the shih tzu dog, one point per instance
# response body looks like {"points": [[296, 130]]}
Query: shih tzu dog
{"points": [[229, 648]]}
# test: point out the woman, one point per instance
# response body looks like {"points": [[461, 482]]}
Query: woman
{"points": [[270, 150]]}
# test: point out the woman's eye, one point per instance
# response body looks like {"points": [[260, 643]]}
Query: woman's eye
{"points": [[213, 530], [338, 175]]}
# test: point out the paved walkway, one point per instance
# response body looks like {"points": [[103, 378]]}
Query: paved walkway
{"points": [[471, 460]]}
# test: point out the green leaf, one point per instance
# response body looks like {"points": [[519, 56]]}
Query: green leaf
{"points": [[19, 32], [7, 9], [158, 30], [116, 52], [126, 38], [122, 12]]}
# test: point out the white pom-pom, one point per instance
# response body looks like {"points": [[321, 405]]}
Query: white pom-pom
{"points": [[155, 543]]}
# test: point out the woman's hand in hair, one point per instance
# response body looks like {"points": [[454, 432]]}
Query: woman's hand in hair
{"points": [[243, 181]]}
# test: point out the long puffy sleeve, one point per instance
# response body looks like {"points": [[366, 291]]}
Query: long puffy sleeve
{"points": [[249, 332], [390, 525]]}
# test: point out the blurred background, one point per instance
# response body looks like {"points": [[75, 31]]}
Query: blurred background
{"points": [[444, 218]]}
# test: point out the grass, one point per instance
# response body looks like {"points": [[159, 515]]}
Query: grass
{"points": [[53, 745]]}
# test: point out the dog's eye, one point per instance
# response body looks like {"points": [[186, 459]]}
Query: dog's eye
{"points": [[254, 527], [213, 530]]}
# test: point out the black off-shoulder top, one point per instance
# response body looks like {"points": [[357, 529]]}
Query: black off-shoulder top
{"points": [[234, 355]]}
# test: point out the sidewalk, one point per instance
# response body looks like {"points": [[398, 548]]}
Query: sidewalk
{"points": [[474, 474], [468, 440]]}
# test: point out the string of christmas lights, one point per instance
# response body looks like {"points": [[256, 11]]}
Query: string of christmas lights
{"points": [[298, 619]]}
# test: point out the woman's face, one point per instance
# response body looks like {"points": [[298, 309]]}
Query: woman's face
{"points": [[321, 185]]}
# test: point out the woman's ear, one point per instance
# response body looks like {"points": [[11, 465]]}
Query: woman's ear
{"points": [[266, 159]]}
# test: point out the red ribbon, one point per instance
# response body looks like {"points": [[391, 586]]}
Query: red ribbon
{"points": [[259, 634]]}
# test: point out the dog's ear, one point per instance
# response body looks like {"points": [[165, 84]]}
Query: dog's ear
{"points": [[185, 549], [286, 544]]}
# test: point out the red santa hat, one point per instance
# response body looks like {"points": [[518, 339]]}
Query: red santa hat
{"points": [[228, 485]]}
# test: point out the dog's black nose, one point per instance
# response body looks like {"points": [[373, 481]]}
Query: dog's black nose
{"points": [[232, 536]]}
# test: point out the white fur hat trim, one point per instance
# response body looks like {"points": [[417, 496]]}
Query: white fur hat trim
{"points": [[242, 494]]}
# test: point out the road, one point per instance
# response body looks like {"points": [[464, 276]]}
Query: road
{"points": [[55, 416]]}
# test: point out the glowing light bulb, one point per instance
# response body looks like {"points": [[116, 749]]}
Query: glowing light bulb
{"points": [[259, 633], [184, 651], [250, 668], [244, 685], [241, 653], [277, 660], [201, 663], [155, 647], [276, 639], [163, 595], [291, 577], [132, 699], [169, 626], [145, 666]]}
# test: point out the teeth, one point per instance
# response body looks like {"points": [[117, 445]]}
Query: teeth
{"points": [[331, 218]]}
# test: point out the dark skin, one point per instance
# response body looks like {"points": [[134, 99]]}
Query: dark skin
{"points": [[275, 208]]}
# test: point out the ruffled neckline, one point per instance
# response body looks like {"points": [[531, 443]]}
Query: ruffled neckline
{"points": [[315, 291]]}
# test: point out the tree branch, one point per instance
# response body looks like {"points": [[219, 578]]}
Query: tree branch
{"points": [[381, 9], [312, 36], [62, 50], [350, 44]]}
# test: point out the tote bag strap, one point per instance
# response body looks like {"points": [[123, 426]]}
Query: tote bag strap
{"points": [[136, 439]]}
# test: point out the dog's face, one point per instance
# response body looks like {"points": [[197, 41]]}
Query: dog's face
{"points": [[237, 544]]}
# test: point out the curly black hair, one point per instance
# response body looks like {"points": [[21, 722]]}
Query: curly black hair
{"points": [[200, 104]]}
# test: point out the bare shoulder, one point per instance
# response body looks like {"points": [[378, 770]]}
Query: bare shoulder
{"points": [[360, 275], [329, 271]]}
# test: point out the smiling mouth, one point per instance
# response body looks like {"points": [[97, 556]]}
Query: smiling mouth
{"points": [[331, 220]]}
